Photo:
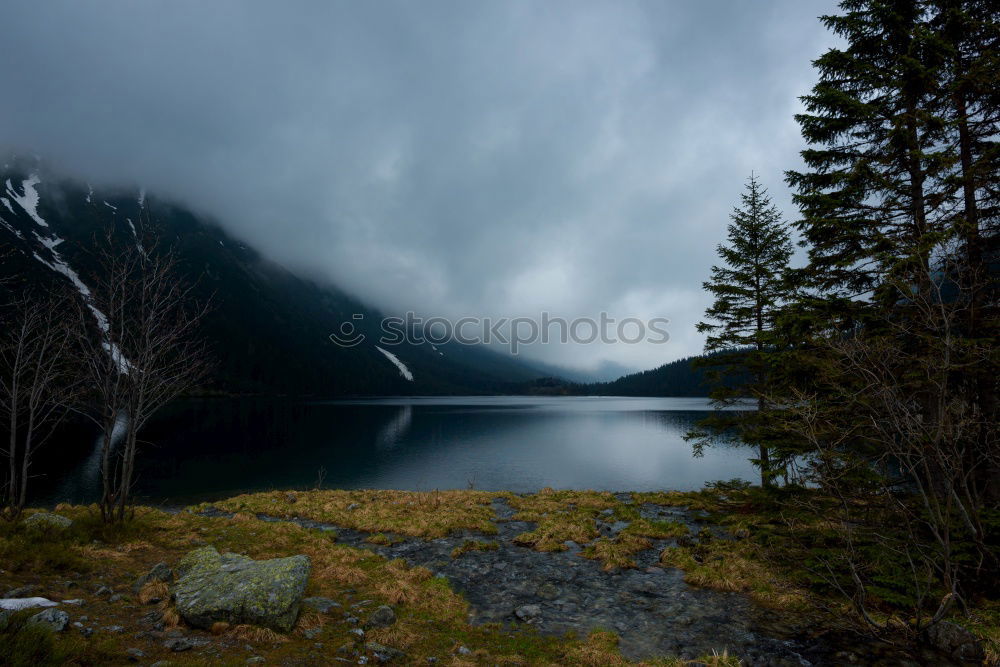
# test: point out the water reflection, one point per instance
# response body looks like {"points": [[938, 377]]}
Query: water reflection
{"points": [[211, 448]]}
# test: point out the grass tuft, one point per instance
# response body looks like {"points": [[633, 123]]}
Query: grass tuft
{"points": [[473, 545]]}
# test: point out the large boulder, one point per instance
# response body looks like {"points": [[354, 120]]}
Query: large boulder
{"points": [[213, 587], [956, 641], [50, 619]]}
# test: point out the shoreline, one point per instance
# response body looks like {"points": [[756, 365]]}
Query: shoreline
{"points": [[655, 575]]}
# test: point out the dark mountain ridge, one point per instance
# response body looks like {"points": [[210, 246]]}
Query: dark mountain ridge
{"points": [[268, 329]]}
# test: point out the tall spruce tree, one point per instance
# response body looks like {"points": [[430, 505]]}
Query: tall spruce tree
{"points": [[749, 290], [873, 194], [897, 312]]}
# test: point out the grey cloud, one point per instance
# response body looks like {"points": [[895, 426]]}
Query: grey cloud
{"points": [[448, 157]]}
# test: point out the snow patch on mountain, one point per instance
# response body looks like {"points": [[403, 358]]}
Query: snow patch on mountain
{"points": [[11, 229], [138, 243], [403, 370], [29, 200]]}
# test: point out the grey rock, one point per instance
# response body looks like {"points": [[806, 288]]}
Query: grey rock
{"points": [[178, 644], [384, 653], [117, 597], [134, 655], [528, 612], [103, 591], [320, 604], [231, 588], [159, 572], [255, 660], [382, 617], [48, 521], [956, 641], [75, 602], [358, 632], [312, 633], [464, 650], [22, 592], [53, 619], [114, 629], [548, 591]]}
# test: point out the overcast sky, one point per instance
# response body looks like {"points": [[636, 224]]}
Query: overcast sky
{"points": [[454, 158]]}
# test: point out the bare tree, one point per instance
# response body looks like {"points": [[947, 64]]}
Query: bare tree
{"points": [[897, 436], [37, 386], [144, 354]]}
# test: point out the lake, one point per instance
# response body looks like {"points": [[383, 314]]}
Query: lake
{"points": [[205, 449]]}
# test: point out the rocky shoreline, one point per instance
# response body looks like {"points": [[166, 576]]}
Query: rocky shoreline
{"points": [[650, 607]]}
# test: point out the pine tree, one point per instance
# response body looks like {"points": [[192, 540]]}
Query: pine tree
{"points": [[873, 195], [749, 290]]}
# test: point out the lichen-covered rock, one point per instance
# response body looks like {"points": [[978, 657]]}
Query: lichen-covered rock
{"points": [[159, 572], [51, 619], [48, 521], [213, 587], [956, 641], [382, 617]]}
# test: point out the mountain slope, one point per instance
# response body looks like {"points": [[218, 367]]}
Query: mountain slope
{"points": [[268, 328]]}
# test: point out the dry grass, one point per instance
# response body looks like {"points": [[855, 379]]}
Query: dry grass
{"points": [[398, 636], [473, 545], [219, 628], [616, 553], [310, 620], [656, 529], [736, 567], [169, 616], [413, 513], [256, 634], [600, 649], [153, 591]]}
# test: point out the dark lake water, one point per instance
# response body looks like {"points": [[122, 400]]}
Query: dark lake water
{"points": [[203, 449]]}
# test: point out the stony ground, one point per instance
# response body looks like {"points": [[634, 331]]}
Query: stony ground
{"points": [[469, 578], [650, 607]]}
